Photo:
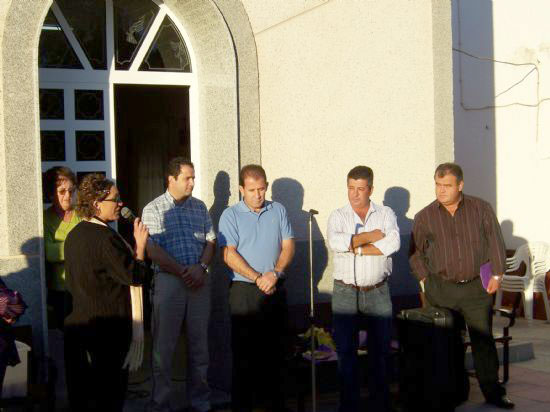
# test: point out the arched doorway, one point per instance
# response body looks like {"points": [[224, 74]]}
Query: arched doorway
{"points": [[226, 102], [117, 92]]}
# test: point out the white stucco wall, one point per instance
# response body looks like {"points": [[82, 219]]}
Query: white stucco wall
{"points": [[502, 116], [344, 83]]}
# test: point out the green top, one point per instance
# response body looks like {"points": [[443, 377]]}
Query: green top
{"points": [[55, 233]]}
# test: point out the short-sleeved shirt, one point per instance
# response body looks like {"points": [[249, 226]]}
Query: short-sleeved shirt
{"points": [[181, 229], [258, 236]]}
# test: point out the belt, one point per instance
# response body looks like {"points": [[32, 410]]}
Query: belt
{"points": [[462, 282], [361, 288]]}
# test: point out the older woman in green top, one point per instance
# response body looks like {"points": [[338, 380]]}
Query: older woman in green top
{"points": [[59, 219]]}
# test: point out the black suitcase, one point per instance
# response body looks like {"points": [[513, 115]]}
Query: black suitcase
{"points": [[432, 374]]}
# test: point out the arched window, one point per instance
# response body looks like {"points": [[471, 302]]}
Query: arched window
{"points": [[117, 92]]}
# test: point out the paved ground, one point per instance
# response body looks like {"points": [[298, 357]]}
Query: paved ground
{"points": [[529, 385]]}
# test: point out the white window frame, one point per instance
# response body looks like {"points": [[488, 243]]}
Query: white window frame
{"points": [[88, 78]]}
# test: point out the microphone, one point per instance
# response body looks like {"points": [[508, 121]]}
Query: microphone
{"points": [[313, 212], [128, 215]]}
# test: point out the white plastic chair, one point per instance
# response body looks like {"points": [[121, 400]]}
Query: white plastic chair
{"points": [[536, 256]]}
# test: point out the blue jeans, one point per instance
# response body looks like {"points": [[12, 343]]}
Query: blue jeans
{"points": [[353, 310]]}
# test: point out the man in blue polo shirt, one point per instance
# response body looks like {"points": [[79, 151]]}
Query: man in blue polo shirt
{"points": [[258, 244]]}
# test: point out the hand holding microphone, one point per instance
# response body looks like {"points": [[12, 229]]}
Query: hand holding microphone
{"points": [[141, 233], [128, 214]]}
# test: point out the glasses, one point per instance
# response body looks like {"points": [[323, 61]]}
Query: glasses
{"points": [[115, 200], [63, 192]]}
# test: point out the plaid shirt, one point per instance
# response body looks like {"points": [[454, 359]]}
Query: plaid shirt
{"points": [[182, 230]]}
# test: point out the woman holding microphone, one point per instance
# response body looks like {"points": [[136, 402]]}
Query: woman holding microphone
{"points": [[100, 268]]}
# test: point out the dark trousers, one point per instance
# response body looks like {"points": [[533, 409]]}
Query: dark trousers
{"points": [[352, 311], [59, 306], [3, 367], [94, 355], [471, 302], [259, 333]]}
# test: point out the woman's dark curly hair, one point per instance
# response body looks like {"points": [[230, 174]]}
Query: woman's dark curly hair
{"points": [[93, 187]]}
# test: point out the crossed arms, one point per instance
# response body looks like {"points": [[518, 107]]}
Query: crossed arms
{"points": [[363, 243], [377, 242]]}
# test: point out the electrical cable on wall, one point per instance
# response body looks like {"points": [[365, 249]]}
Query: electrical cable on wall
{"points": [[535, 69]]}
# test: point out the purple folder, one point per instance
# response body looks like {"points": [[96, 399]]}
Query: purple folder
{"points": [[485, 273]]}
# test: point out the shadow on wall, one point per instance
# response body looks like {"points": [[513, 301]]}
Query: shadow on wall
{"points": [[27, 282], [512, 241], [290, 193], [474, 97], [402, 282], [219, 373], [222, 193]]}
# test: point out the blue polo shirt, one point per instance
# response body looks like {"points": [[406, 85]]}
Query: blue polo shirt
{"points": [[257, 236]]}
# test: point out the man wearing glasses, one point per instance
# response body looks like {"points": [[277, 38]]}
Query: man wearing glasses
{"points": [[181, 246]]}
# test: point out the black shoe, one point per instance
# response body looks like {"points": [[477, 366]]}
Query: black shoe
{"points": [[502, 402]]}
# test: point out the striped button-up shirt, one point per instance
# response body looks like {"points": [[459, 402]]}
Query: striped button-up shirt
{"points": [[454, 247], [181, 229], [363, 270]]}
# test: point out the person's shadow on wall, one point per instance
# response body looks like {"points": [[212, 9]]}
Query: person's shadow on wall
{"points": [[512, 241], [27, 282], [219, 374], [222, 193], [290, 193], [402, 282]]}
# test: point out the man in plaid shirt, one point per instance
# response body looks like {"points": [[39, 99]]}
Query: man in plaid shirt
{"points": [[182, 243]]}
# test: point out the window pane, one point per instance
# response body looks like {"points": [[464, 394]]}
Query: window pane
{"points": [[88, 104], [90, 145], [52, 145], [87, 21], [51, 104], [132, 21], [54, 49], [168, 52]]}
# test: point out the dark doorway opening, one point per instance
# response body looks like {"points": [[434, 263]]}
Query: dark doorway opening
{"points": [[151, 126]]}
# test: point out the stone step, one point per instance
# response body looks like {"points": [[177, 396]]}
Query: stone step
{"points": [[519, 352]]}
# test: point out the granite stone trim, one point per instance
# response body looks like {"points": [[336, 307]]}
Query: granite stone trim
{"points": [[244, 42], [443, 81], [227, 70], [4, 7], [21, 162]]}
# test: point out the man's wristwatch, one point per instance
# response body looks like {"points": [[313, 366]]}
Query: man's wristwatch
{"points": [[279, 275], [204, 267]]}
